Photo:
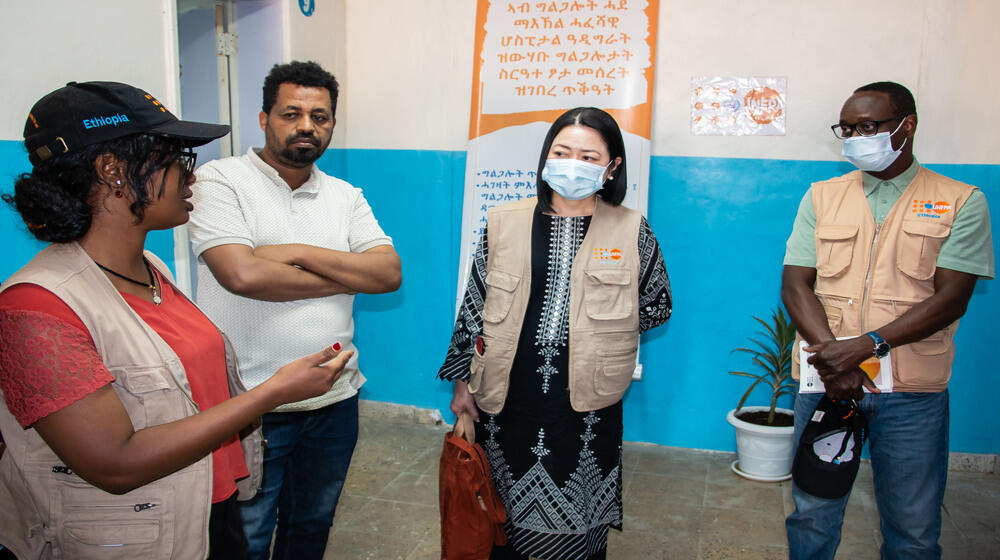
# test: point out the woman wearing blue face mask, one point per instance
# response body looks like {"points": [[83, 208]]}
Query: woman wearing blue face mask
{"points": [[547, 338]]}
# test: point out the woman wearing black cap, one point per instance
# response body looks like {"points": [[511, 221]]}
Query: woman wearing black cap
{"points": [[123, 412]]}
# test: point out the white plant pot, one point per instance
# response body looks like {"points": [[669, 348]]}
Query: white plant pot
{"points": [[764, 453]]}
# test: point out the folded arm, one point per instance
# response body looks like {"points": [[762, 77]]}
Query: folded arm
{"points": [[242, 271], [803, 306], [834, 360], [374, 271], [952, 292], [837, 360]]}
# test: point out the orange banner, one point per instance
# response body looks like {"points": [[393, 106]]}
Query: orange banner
{"points": [[553, 50]]}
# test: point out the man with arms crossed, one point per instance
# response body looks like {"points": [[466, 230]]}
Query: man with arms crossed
{"points": [[888, 255], [282, 249]]}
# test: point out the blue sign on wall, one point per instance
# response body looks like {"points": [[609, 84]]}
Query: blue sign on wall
{"points": [[307, 7]]}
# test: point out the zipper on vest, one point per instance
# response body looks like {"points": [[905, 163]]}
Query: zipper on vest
{"points": [[137, 508], [868, 278]]}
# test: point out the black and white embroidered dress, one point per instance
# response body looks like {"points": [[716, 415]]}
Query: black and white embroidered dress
{"points": [[557, 471]]}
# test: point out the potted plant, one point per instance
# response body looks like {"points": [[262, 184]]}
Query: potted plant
{"points": [[764, 434]]}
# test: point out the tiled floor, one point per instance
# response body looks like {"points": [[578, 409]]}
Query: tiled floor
{"points": [[679, 503]]}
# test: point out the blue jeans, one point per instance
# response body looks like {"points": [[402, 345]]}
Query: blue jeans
{"points": [[305, 463], [908, 439]]}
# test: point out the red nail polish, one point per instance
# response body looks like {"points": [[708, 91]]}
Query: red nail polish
{"points": [[336, 346]]}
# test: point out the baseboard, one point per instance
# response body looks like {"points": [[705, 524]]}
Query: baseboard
{"points": [[403, 413], [974, 462]]}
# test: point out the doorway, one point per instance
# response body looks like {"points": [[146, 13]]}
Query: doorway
{"points": [[226, 48]]}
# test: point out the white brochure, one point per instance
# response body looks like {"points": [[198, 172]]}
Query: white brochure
{"points": [[879, 370]]}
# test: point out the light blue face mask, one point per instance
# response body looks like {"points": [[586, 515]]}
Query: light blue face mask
{"points": [[573, 179], [872, 153]]}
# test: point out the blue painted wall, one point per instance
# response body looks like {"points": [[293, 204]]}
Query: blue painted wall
{"points": [[17, 246], [722, 224]]}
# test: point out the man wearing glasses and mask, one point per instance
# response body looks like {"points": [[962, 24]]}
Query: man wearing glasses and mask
{"points": [[883, 261]]}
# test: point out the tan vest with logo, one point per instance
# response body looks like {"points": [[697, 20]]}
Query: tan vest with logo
{"points": [[49, 512], [603, 313], [867, 275]]}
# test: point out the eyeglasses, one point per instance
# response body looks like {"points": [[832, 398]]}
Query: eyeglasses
{"points": [[188, 159], [863, 128]]}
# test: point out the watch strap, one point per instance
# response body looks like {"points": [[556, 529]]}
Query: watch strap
{"points": [[881, 346]]}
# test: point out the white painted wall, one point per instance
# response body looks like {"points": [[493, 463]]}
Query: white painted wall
{"points": [[46, 44], [943, 50], [321, 38], [409, 71], [406, 65]]}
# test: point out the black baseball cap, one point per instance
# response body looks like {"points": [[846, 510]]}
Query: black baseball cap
{"points": [[829, 453], [87, 113]]}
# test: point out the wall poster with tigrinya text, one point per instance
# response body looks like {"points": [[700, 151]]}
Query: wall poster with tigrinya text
{"points": [[535, 60]]}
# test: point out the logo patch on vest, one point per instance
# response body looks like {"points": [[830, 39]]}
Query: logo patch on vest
{"points": [[605, 254], [931, 209]]}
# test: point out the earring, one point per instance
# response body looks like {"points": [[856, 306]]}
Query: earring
{"points": [[118, 191]]}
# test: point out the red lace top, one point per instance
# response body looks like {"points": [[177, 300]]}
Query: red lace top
{"points": [[48, 361]]}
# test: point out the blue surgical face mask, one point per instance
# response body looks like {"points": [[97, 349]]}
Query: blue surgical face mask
{"points": [[573, 179], [872, 153]]}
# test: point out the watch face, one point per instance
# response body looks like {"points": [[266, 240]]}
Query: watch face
{"points": [[882, 349]]}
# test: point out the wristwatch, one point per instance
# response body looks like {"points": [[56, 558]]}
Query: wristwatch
{"points": [[881, 346]]}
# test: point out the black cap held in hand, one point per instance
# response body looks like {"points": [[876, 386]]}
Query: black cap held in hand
{"points": [[829, 453], [87, 113]]}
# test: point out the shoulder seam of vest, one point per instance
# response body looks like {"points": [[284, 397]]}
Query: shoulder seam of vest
{"points": [[930, 174], [848, 177]]}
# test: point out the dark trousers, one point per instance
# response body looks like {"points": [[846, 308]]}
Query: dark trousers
{"points": [[305, 465], [226, 540]]}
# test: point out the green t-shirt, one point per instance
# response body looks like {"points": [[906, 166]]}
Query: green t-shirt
{"points": [[968, 248]]}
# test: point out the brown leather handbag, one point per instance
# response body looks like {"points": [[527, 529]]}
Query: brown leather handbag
{"points": [[472, 516]]}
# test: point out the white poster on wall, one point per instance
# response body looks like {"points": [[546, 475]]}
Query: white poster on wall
{"points": [[727, 106]]}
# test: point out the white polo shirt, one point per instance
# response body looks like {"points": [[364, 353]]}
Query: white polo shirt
{"points": [[244, 200]]}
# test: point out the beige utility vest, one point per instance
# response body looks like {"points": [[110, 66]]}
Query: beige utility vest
{"points": [[867, 275], [603, 312], [48, 511]]}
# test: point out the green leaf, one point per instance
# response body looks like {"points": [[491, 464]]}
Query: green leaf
{"points": [[772, 356]]}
